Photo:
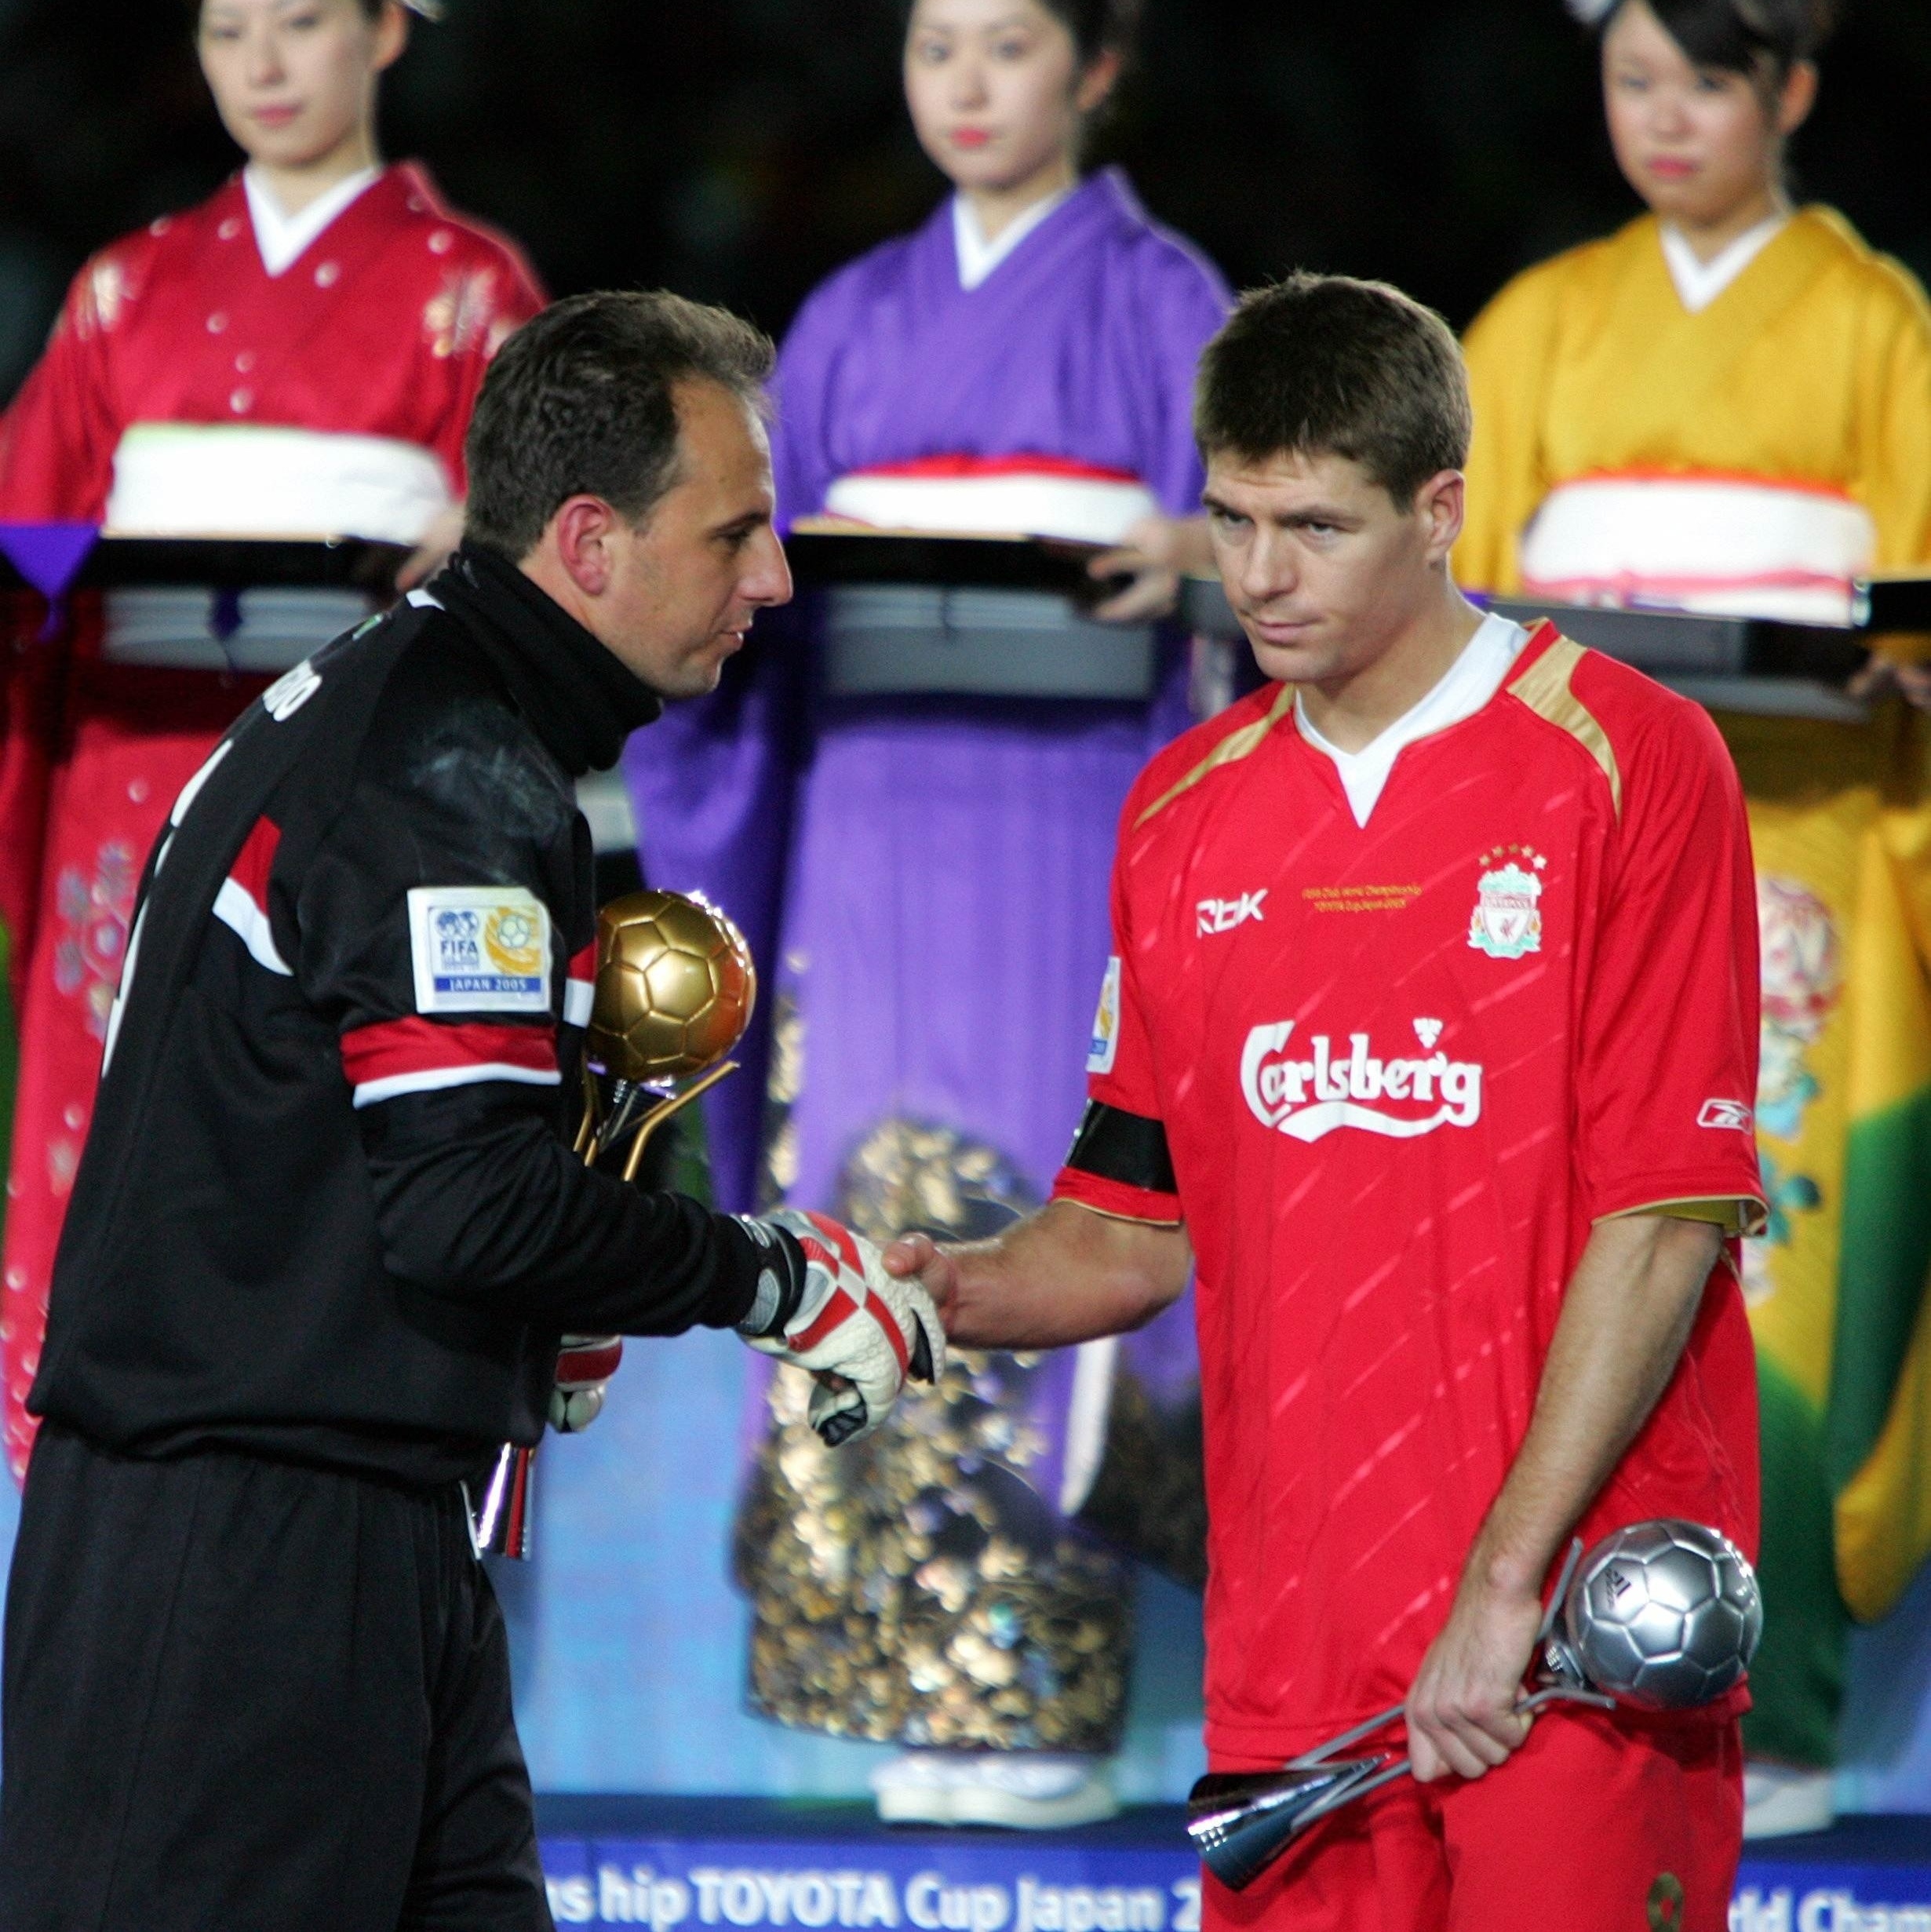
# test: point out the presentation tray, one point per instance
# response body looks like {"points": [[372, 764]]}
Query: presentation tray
{"points": [[116, 562], [1041, 564]]}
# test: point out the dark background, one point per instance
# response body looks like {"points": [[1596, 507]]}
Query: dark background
{"points": [[738, 150]]}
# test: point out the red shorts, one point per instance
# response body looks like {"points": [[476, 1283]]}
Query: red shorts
{"points": [[1594, 1825]]}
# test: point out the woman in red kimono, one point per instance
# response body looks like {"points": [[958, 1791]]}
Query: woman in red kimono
{"points": [[297, 356]]}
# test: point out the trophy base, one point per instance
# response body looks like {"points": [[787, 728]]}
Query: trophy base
{"points": [[1019, 1791]]}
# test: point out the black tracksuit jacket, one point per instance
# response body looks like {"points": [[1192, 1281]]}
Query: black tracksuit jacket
{"points": [[327, 1212]]}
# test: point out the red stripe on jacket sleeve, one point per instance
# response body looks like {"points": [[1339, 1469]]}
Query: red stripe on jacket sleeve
{"points": [[255, 860], [419, 1055], [580, 987]]}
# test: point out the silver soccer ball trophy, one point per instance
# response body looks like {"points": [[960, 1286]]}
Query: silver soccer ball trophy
{"points": [[1663, 1616]]}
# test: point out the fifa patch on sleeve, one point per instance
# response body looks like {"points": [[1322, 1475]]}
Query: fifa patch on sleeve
{"points": [[1106, 1041], [479, 948]]}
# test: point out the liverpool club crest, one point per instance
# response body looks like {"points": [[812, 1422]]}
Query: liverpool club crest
{"points": [[1507, 919]]}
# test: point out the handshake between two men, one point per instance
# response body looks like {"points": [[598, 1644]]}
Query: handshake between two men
{"points": [[826, 1303]]}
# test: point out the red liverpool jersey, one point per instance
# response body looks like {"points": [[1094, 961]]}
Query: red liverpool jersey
{"points": [[1401, 1068]]}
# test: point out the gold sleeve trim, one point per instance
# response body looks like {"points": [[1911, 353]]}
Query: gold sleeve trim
{"points": [[1235, 746], [1107, 1214], [1544, 687], [1736, 1214]]}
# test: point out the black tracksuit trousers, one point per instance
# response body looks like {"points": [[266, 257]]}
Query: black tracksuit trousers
{"points": [[242, 1695]]}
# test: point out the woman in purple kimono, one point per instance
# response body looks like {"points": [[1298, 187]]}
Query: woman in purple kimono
{"points": [[912, 807]]}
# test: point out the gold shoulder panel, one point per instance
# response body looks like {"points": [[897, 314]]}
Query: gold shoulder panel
{"points": [[1234, 746], [1131, 1220], [1544, 687], [1742, 1214]]}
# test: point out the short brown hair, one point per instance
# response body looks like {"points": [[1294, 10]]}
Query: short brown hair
{"points": [[1326, 366], [580, 401]]}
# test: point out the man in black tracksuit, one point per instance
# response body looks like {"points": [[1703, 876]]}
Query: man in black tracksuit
{"points": [[327, 1231]]}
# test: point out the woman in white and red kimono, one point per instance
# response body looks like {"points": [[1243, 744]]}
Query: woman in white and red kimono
{"points": [[297, 356]]}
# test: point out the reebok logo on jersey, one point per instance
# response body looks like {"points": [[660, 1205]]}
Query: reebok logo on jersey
{"points": [[1223, 915], [1726, 1114], [1400, 1097]]}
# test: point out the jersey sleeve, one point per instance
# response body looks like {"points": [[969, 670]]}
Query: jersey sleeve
{"points": [[1893, 380], [1120, 1164], [58, 438], [429, 935], [1667, 1072]]}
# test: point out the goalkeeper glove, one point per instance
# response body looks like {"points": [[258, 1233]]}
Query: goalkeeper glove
{"points": [[584, 1364], [826, 1303]]}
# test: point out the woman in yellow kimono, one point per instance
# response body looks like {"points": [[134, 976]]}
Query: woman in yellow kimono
{"points": [[1726, 408]]}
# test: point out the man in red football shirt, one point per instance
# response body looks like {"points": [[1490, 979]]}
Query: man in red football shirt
{"points": [[1429, 1043]]}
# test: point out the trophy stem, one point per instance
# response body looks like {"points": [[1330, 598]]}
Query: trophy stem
{"points": [[621, 1106], [587, 1124], [664, 1109], [1366, 1728]]}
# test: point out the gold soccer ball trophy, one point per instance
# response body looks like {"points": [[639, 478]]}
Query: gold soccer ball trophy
{"points": [[675, 989]]}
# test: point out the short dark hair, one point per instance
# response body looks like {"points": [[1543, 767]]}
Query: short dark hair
{"points": [[371, 8], [1097, 27], [580, 401], [1326, 366], [1760, 39]]}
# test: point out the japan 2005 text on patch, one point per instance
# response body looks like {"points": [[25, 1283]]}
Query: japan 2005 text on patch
{"points": [[479, 948]]}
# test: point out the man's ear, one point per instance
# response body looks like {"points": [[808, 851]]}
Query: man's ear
{"points": [[1442, 503], [1101, 76], [1798, 97], [580, 533], [391, 37]]}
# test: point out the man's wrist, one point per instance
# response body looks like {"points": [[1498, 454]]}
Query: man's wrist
{"points": [[1505, 1562], [780, 1279]]}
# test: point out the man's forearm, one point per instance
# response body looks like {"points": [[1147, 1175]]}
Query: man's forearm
{"points": [[1628, 1311], [1626, 1317], [477, 1200], [1064, 1275]]}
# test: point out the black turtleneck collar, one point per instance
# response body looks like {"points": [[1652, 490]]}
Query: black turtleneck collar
{"points": [[577, 697]]}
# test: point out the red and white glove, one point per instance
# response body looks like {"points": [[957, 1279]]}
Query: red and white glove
{"points": [[584, 1364], [826, 1303]]}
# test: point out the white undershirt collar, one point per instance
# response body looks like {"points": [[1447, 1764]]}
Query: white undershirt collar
{"points": [[978, 257], [1699, 283], [1467, 684], [282, 238]]}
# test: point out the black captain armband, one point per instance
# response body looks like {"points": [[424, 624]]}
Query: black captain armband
{"points": [[1118, 1146]]}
